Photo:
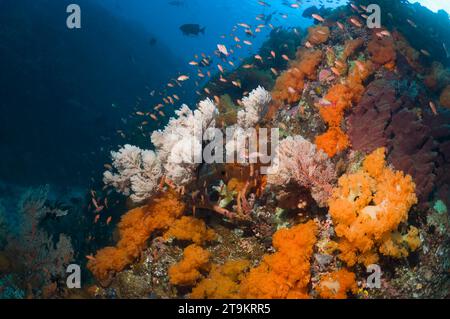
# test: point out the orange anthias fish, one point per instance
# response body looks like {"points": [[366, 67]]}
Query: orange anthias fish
{"points": [[318, 17]]}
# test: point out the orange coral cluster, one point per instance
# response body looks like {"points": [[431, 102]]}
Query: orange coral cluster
{"points": [[318, 35], [337, 284], [445, 97], [341, 97], [223, 281], [367, 209], [382, 51], [135, 228], [289, 86], [187, 271], [286, 273], [190, 229]]}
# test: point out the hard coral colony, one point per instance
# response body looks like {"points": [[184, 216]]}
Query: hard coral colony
{"points": [[337, 160]]}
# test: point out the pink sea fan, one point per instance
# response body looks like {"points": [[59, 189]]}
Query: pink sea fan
{"points": [[299, 161]]}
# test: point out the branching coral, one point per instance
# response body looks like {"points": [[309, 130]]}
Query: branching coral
{"points": [[187, 271], [300, 162], [337, 284], [190, 229], [289, 86], [223, 282], [286, 273], [318, 35], [135, 228], [368, 207]]}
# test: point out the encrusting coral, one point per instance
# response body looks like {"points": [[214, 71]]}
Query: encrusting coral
{"points": [[367, 209], [190, 229], [382, 51], [223, 282], [135, 228], [187, 271], [285, 273], [445, 97], [337, 284]]}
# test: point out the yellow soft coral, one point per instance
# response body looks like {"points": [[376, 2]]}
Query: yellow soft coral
{"points": [[286, 273], [135, 228], [367, 208], [190, 229], [223, 281], [337, 284], [187, 271]]}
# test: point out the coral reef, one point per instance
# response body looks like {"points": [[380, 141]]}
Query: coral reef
{"points": [[445, 97], [189, 228], [318, 35]]}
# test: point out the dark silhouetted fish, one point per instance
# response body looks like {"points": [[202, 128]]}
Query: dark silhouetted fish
{"points": [[192, 29], [176, 3], [152, 41]]}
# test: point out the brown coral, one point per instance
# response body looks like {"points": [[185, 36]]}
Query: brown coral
{"points": [[445, 97], [382, 50]]}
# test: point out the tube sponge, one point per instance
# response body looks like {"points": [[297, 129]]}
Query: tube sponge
{"points": [[367, 208]]}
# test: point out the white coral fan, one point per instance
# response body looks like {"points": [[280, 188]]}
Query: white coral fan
{"points": [[179, 145], [178, 154], [138, 172], [298, 160], [255, 105]]}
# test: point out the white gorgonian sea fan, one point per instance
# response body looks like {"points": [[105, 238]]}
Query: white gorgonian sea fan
{"points": [[255, 105], [137, 171], [299, 161]]}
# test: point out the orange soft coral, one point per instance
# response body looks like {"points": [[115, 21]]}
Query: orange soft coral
{"points": [[445, 97], [332, 141], [190, 229], [223, 281], [135, 228], [367, 209], [187, 271], [289, 85], [286, 273], [350, 47], [337, 284], [382, 50], [318, 35]]}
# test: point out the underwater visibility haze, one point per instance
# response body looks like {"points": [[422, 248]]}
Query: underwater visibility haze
{"points": [[240, 149]]}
